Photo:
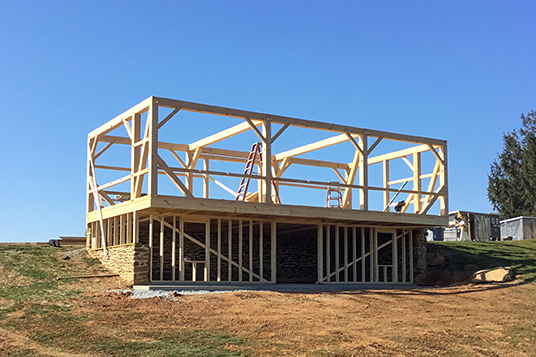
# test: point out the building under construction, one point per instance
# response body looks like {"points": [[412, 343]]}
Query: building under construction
{"points": [[181, 192]]}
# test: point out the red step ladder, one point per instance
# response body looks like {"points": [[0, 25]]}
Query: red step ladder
{"points": [[250, 164], [334, 198]]}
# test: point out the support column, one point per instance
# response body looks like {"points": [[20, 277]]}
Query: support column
{"points": [[273, 262], [320, 248], [266, 196], [152, 118]]}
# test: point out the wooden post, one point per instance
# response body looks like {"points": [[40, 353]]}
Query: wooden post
{"points": [[207, 251], [443, 182], [240, 249], [371, 255], [181, 249], [261, 251], [173, 249], [273, 258], [345, 254], [376, 267], [135, 227], [267, 162], [417, 203], [230, 248], [320, 249], [386, 193], [161, 248], [218, 278], [250, 250], [206, 180], [151, 247], [328, 253], [354, 251], [135, 155], [411, 256], [363, 175], [404, 263], [395, 257], [152, 119], [363, 262], [337, 253], [122, 229]]}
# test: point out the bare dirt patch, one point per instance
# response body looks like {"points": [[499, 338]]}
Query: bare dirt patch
{"points": [[468, 320]]}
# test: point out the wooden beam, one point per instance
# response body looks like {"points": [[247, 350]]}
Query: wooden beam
{"points": [[256, 130], [118, 121], [350, 180], [417, 181], [222, 135], [279, 132], [355, 144], [314, 146], [398, 154], [236, 113], [373, 146], [153, 158], [273, 253], [363, 176], [162, 165], [166, 119]]}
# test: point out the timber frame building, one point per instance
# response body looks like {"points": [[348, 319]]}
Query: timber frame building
{"points": [[311, 202]]}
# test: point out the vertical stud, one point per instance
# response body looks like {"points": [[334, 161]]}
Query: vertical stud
{"points": [[273, 238], [261, 251], [320, 250], [218, 278], [230, 249], [174, 249], [337, 262], [207, 252], [328, 253], [240, 248], [250, 251]]}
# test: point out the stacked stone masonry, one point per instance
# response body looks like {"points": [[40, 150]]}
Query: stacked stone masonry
{"points": [[130, 261]]}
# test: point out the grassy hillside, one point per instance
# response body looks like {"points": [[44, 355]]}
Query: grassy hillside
{"points": [[35, 304], [464, 258]]}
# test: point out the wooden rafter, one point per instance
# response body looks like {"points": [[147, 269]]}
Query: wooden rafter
{"points": [[314, 146], [222, 135]]}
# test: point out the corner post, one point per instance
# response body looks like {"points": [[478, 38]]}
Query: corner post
{"points": [[267, 162], [152, 117]]}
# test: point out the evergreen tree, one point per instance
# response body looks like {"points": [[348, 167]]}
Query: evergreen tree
{"points": [[512, 179]]}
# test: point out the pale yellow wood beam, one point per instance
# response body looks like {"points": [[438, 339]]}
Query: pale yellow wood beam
{"points": [[222, 135], [398, 154], [373, 146], [166, 119], [277, 119], [101, 151], [256, 130], [169, 172], [279, 132], [351, 177], [314, 146], [417, 181], [118, 121]]}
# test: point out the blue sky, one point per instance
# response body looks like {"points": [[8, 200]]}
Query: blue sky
{"points": [[462, 71]]}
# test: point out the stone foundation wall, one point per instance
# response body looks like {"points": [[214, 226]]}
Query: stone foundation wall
{"points": [[419, 256], [130, 261]]}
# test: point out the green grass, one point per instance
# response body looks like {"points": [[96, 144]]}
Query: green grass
{"points": [[471, 256], [39, 300], [188, 343], [37, 267]]}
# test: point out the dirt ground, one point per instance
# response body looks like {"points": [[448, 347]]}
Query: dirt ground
{"points": [[475, 320], [466, 320]]}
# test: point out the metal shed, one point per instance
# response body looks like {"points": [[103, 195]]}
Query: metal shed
{"points": [[518, 228]]}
